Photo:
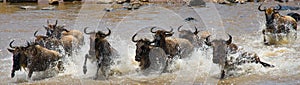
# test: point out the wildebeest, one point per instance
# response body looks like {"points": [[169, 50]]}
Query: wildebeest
{"points": [[221, 49], [47, 42], [91, 53], [67, 42], [191, 36], [172, 46], [151, 58], [34, 57], [277, 24], [104, 54], [60, 31]]}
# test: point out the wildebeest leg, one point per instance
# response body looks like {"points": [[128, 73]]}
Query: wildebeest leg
{"points": [[60, 66], [263, 63], [264, 34], [266, 64], [12, 73], [30, 73], [98, 67], [222, 74], [165, 70], [84, 64]]}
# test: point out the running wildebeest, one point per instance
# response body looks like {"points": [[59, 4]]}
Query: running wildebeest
{"points": [[34, 57], [67, 42], [191, 36], [104, 54], [277, 25], [48, 42], [221, 49], [172, 46], [60, 31], [151, 58]]}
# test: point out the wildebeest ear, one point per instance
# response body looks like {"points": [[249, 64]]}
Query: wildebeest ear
{"points": [[10, 50], [169, 34]]}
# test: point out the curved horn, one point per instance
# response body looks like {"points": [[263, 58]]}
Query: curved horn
{"points": [[35, 33], [152, 29], [134, 37], [178, 29], [66, 30], [196, 31], [207, 42], [229, 40], [84, 30], [109, 32], [260, 8], [28, 44], [278, 8], [170, 30], [55, 23], [10, 44]]}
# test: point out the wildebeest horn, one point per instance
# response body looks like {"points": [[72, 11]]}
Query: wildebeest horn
{"points": [[133, 38], [152, 29], [35, 33], [278, 8], [84, 30], [66, 30], [55, 23], [45, 27], [109, 31], [28, 44], [178, 29], [260, 8], [170, 31], [196, 31], [229, 40], [207, 42], [10, 44]]}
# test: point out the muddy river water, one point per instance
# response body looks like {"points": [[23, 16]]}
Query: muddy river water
{"points": [[243, 21]]}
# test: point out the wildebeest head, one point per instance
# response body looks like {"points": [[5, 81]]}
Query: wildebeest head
{"points": [[269, 13], [102, 35], [219, 49], [160, 35], [40, 38], [53, 30], [19, 58], [188, 34], [50, 27], [143, 47]]}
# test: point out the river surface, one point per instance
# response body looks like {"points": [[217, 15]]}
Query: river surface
{"points": [[243, 21]]}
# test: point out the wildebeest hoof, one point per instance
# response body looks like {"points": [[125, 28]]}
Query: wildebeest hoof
{"points": [[12, 75]]}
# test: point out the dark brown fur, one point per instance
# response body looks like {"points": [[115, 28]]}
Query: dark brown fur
{"points": [[34, 57], [104, 53], [276, 23]]}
